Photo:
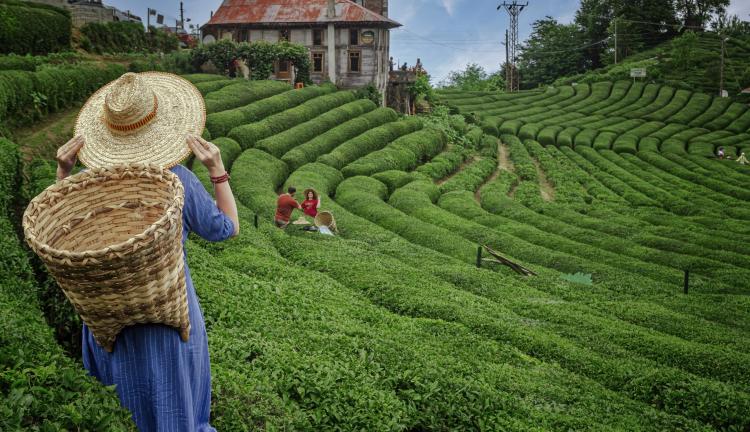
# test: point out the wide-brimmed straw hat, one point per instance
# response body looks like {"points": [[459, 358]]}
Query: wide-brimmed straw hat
{"points": [[140, 118]]}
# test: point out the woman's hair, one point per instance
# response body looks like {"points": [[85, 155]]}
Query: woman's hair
{"points": [[311, 191]]}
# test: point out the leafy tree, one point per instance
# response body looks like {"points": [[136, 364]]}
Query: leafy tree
{"points": [[731, 25], [552, 50], [683, 49], [696, 13], [475, 78]]}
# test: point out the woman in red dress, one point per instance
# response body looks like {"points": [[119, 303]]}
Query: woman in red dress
{"points": [[311, 204]]}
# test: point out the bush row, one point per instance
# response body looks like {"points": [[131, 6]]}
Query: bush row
{"points": [[40, 387], [273, 99], [241, 93], [283, 142], [249, 135], [370, 141], [404, 153], [27, 96], [32, 28], [327, 141], [471, 177]]}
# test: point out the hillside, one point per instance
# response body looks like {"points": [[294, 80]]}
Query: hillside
{"points": [[700, 72], [391, 326], [623, 116]]}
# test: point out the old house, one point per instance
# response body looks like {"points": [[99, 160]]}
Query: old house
{"points": [[349, 41]]}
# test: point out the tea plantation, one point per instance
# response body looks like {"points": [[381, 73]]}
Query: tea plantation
{"points": [[391, 326]]}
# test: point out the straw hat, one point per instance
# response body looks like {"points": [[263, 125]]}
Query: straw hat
{"points": [[140, 118]]}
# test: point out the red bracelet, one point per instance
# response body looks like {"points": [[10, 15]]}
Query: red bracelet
{"points": [[220, 179]]}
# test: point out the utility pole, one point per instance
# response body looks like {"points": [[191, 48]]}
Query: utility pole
{"points": [[182, 17], [615, 40], [514, 9], [721, 73], [508, 73]]}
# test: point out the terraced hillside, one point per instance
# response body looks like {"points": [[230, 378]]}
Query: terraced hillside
{"points": [[391, 326], [622, 116]]}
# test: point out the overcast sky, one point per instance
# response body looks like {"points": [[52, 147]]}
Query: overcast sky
{"points": [[445, 34]]}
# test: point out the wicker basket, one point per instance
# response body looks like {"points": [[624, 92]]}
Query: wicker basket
{"points": [[325, 218], [112, 239]]}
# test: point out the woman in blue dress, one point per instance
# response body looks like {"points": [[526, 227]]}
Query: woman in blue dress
{"points": [[163, 381]]}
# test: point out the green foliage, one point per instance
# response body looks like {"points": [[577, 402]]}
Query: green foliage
{"points": [[683, 48], [40, 387], [26, 96], [260, 57], [126, 37], [474, 78], [31, 28], [250, 135], [550, 53], [405, 153]]}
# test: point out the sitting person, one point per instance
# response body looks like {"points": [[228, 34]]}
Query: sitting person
{"points": [[311, 204], [742, 160], [285, 205], [720, 153]]}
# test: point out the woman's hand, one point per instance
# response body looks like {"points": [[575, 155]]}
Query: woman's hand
{"points": [[67, 155], [208, 154]]}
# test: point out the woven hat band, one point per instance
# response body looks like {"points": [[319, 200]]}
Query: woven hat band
{"points": [[138, 124]]}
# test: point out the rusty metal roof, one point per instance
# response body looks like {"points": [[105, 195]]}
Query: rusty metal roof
{"points": [[269, 12]]}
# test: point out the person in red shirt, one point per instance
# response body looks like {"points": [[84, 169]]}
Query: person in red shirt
{"points": [[311, 204], [285, 205]]}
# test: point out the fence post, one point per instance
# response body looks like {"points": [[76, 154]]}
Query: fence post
{"points": [[479, 257], [255, 221], [687, 280]]}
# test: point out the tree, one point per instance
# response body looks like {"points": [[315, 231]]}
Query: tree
{"points": [[593, 18], [695, 14], [553, 50], [475, 78], [683, 48]]}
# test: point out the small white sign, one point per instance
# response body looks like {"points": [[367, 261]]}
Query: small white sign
{"points": [[724, 93], [638, 72]]}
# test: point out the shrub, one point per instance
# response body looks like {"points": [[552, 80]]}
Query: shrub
{"points": [[27, 96], [548, 135], [240, 93], [31, 28], [126, 37], [649, 144], [40, 387], [212, 86], [445, 163], [586, 137], [471, 177], [604, 140], [627, 143], [285, 141], [272, 102], [566, 137], [405, 153], [249, 135], [255, 176], [326, 142], [370, 141]]}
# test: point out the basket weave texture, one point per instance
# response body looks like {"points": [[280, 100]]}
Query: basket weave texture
{"points": [[325, 218], [112, 239]]}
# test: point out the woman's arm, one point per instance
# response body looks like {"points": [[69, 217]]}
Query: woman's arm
{"points": [[210, 156], [67, 155], [318, 206]]}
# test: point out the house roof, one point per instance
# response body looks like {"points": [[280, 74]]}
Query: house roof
{"points": [[306, 12]]}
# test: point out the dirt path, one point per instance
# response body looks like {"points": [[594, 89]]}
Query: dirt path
{"points": [[469, 161], [503, 163], [42, 139], [503, 159], [545, 187]]}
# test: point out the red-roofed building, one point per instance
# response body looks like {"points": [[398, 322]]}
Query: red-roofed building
{"points": [[349, 41]]}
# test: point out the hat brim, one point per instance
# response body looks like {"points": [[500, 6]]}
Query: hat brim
{"points": [[181, 111]]}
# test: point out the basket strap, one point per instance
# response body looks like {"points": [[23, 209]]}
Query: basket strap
{"points": [[65, 229]]}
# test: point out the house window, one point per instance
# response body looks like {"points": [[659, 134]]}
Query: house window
{"points": [[317, 37], [243, 36], [317, 62], [283, 66], [284, 36], [355, 61], [353, 37]]}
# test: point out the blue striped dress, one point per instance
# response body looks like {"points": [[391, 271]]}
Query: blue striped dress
{"points": [[163, 381]]}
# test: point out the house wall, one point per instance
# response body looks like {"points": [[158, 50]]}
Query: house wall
{"points": [[373, 57]]}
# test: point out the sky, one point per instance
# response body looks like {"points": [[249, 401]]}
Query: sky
{"points": [[445, 34]]}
